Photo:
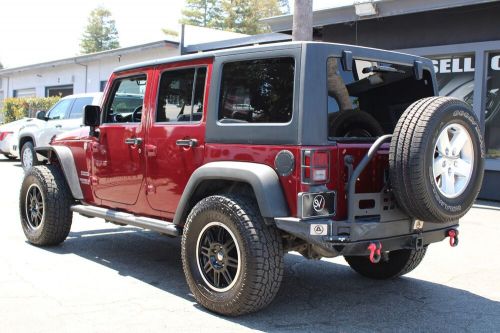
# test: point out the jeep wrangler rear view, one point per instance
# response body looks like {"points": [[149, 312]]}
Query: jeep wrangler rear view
{"points": [[248, 153]]}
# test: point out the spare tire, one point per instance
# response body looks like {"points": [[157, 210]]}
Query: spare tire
{"points": [[353, 123], [436, 159]]}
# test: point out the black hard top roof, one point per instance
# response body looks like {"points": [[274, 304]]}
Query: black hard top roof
{"points": [[268, 47]]}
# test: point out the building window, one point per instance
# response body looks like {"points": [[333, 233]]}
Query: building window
{"points": [[492, 107], [102, 85], [29, 92], [59, 90], [455, 76]]}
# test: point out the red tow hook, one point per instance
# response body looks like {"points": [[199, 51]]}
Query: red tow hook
{"points": [[453, 234], [375, 252]]}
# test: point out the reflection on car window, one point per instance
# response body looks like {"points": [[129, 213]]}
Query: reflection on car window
{"points": [[126, 102], [367, 101], [175, 98], [58, 111], [257, 91], [77, 108]]}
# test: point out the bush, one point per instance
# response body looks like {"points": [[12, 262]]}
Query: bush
{"points": [[17, 108]]}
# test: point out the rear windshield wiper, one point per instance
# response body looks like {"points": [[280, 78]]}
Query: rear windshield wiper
{"points": [[382, 69]]}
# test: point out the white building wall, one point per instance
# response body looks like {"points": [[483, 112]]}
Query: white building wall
{"points": [[74, 74]]}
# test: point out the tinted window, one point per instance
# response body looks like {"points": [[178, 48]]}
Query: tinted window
{"points": [[126, 101], [257, 91], [77, 108], [368, 101], [58, 111], [176, 101]]}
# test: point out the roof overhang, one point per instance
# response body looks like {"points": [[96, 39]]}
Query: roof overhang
{"points": [[384, 8], [83, 59]]}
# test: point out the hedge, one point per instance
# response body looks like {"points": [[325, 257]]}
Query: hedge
{"points": [[17, 108]]}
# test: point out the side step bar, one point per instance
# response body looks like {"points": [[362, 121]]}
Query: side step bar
{"points": [[125, 218]]}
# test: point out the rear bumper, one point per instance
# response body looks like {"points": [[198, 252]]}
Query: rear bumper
{"points": [[352, 238]]}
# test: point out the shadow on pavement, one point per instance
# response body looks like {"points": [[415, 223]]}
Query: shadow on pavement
{"points": [[314, 296]]}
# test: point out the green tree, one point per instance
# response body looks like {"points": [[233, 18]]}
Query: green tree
{"points": [[170, 32], [100, 33], [234, 15], [203, 13]]}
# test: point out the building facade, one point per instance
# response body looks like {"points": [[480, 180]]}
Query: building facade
{"points": [[87, 73], [462, 37]]}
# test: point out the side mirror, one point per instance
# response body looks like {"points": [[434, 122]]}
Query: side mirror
{"points": [[41, 115], [91, 115], [92, 118]]}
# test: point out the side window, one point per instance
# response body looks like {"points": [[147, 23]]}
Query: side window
{"points": [[126, 100], [77, 108], [58, 111], [181, 94], [257, 91]]}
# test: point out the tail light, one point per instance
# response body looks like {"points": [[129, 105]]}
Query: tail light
{"points": [[315, 166], [3, 135]]}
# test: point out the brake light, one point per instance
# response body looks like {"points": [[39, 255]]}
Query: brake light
{"points": [[315, 166], [3, 135]]}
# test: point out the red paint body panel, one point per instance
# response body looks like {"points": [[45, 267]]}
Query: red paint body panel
{"points": [[149, 179]]}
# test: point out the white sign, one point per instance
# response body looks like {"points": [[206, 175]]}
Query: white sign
{"points": [[461, 64]]}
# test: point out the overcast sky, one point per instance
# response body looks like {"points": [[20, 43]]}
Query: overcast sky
{"points": [[33, 31]]}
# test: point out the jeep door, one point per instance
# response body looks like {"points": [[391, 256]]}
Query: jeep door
{"points": [[176, 138], [118, 166]]}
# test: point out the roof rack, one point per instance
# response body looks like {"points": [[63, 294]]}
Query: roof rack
{"points": [[267, 38]]}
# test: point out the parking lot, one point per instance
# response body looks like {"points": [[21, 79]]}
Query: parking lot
{"points": [[106, 278]]}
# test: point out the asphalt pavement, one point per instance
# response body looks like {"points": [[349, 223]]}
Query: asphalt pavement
{"points": [[106, 278]]}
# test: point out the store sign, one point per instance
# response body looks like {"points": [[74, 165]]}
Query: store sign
{"points": [[461, 64]]}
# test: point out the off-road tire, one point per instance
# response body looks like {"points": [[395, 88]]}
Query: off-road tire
{"points": [[10, 157], [28, 145], [353, 123], [261, 253], [411, 159], [400, 262], [57, 199]]}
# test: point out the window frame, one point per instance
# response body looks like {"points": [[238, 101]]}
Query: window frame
{"points": [[171, 69], [112, 92]]}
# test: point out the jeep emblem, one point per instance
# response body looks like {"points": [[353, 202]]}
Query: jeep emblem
{"points": [[319, 203]]}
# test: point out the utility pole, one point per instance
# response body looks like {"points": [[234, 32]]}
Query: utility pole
{"points": [[302, 20]]}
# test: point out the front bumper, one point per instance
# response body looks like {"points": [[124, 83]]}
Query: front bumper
{"points": [[353, 238]]}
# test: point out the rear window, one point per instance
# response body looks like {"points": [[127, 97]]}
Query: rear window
{"points": [[257, 91], [368, 101]]}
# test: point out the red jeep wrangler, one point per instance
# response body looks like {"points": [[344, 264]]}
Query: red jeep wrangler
{"points": [[251, 152]]}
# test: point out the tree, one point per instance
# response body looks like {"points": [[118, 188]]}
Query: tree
{"points": [[203, 13], [100, 33], [234, 15], [170, 32]]}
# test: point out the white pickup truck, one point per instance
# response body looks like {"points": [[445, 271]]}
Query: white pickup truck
{"points": [[64, 116]]}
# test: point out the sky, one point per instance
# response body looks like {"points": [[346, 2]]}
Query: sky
{"points": [[33, 31]]}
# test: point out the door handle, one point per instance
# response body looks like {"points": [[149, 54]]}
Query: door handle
{"points": [[58, 126], [187, 143], [133, 141]]}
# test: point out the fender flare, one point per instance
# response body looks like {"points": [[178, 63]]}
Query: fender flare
{"points": [[67, 162], [262, 178], [21, 137]]}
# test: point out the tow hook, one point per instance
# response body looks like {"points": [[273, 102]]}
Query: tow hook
{"points": [[453, 234], [375, 252]]}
